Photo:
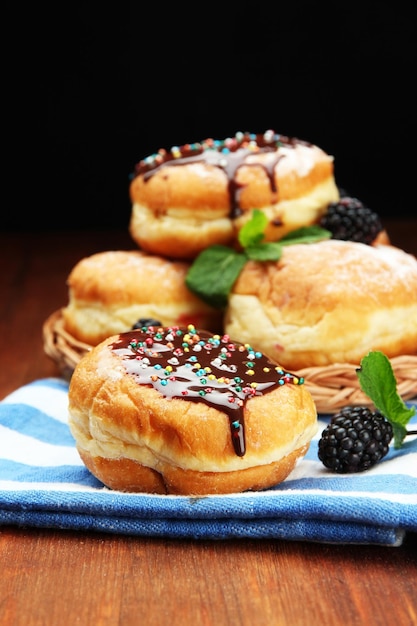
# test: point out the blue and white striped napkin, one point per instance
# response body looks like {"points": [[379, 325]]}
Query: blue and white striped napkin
{"points": [[44, 484]]}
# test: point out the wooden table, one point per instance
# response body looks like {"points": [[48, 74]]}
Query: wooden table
{"points": [[60, 578]]}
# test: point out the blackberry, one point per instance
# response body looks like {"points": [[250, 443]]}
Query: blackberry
{"points": [[355, 439], [143, 322], [349, 219]]}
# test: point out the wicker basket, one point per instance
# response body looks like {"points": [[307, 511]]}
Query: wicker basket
{"points": [[61, 346], [332, 387]]}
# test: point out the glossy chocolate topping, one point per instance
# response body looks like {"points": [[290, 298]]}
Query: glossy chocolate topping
{"points": [[198, 366], [228, 154]]}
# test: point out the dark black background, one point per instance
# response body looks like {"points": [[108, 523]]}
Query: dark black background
{"points": [[99, 87]]}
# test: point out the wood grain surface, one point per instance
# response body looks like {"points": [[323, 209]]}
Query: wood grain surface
{"points": [[60, 578]]}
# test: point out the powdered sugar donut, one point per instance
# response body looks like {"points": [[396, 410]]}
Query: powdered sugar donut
{"points": [[327, 302], [108, 292]]}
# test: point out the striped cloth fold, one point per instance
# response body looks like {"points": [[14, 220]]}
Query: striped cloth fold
{"points": [[44, 484]]}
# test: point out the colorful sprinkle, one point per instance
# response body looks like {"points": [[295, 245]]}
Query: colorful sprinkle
{"points": [[221, 376]]}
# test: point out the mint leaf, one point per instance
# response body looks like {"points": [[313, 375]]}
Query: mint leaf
{"points": [[264, 251], [305, 234], [253, 232], [215, 270], [213, 274], [378, 382]]}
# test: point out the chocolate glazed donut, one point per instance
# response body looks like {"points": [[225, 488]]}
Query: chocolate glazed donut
{"points": [[201, 194], [183, 411]]}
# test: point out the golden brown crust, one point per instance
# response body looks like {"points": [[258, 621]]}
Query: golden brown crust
{"points": [[121, 427], [179, 211], [110, 291], [123, 474], [328, 302], [198, 187]]}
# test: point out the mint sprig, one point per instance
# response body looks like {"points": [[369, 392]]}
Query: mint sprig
{"points": [[252, 232], [377, 380], [213, 273], [216, 269]]}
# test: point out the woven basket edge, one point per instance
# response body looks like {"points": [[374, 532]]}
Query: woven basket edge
{"points": [[331, 387]]}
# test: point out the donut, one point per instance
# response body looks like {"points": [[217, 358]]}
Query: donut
{"points": [[174, 410], [327, 302], [108, 292], [197, 195]]}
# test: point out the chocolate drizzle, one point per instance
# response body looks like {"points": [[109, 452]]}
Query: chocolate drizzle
{"points": [[228, 154], [200, 367]]}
